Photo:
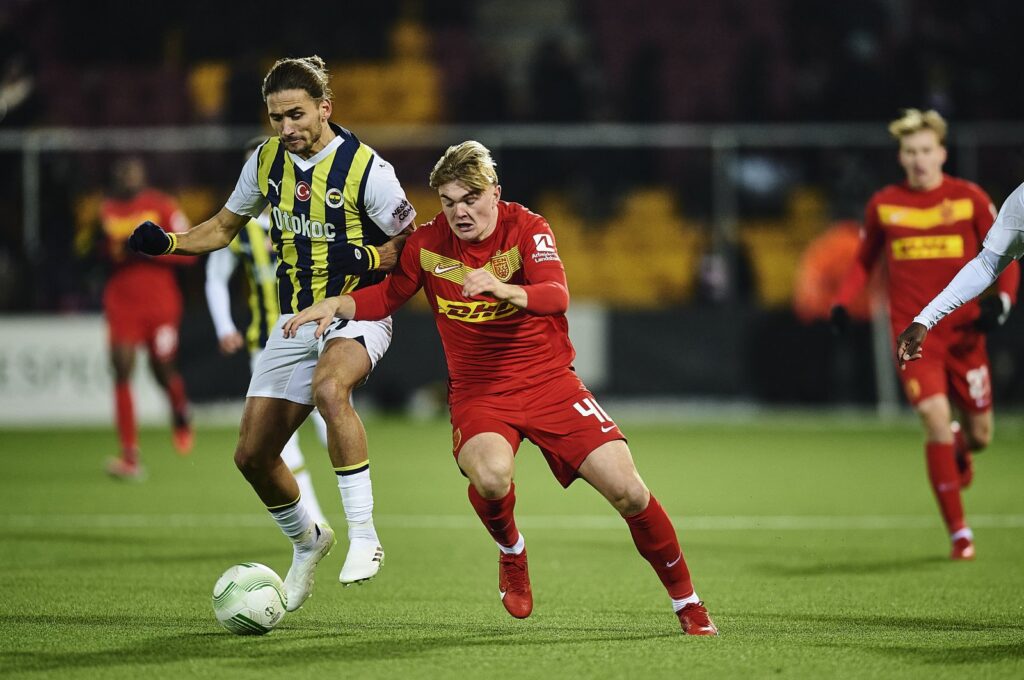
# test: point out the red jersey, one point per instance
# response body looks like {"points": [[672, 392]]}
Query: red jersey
{"points": [[492, 347], [926, 237], [137, 278]]}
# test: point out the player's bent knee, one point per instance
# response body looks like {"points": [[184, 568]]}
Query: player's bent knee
{"points": [[329, 396], [491, 483], [981, 438], [630, 499], [251, 463]]}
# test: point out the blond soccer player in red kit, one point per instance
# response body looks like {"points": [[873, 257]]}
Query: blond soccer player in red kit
{"points": [[927, 228], [493, 277]]}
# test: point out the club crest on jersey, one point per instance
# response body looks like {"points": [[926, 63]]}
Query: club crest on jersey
{"points": [[335, 198], [947, 212], [501, 266], [302, 191]]}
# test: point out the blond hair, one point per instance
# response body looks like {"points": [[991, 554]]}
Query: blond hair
{"points": [[469, 162], [915, 120]]}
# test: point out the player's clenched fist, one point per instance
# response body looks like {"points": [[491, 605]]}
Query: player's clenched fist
{"points": [[908, 346], [149, 239]]}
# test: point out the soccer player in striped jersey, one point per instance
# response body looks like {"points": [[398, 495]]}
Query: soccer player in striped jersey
{"points": [[927, 228], [493, 277], [254, 248], [339, 218]]}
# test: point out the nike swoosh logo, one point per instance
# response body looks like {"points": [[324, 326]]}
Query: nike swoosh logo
{"points": [[609, 428], [675, 561], [444, 270]]}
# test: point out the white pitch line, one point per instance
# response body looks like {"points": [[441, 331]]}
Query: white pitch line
{"points": [[558, 522]]}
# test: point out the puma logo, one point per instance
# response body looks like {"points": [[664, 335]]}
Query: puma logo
{"points": [[276, 185]]}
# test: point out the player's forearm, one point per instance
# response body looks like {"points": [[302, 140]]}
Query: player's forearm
{"points": [[513, 294], [213, 234], [372, 303], [1008, 282], [544, 299], [969, 283]]}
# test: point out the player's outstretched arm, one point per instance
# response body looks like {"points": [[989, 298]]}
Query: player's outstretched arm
{"points": [[908, 346], [213, 234], [323, 313]]}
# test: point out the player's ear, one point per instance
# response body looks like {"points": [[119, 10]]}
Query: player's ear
{"points": [[326, 108], [497, 193]]}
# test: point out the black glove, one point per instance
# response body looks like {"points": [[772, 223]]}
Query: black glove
{"points": [[839, 320], [993, 313], [149, 239]]}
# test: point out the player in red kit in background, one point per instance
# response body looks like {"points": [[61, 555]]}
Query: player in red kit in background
{"points": [[142, 304], [928, 227], [492, 275]]}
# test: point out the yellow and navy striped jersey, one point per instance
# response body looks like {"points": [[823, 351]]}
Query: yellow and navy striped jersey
{"points": [[256, 251], [314, 213]]}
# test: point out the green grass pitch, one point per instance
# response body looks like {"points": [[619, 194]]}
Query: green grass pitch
{"points": [[814, 540]]}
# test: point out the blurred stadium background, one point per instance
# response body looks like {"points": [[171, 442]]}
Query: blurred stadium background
{"points": [[687, 154]]}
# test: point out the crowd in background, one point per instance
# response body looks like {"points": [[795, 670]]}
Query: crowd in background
{"points": [[536, 61], [567, 61]]}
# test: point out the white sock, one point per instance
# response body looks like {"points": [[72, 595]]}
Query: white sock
{"points": [[291, 454], [519, 547], [357, 499], [293, 519], [963, 533], [679, 604]]}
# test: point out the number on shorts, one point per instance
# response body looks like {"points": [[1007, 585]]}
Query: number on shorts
{"points": [[589, 407], [977, 384]]}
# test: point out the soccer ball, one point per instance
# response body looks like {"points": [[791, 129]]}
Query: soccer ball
{"points": [[249, 599]]}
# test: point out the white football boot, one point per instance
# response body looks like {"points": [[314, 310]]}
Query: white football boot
{"points": [[307, 553], [362, 562]]}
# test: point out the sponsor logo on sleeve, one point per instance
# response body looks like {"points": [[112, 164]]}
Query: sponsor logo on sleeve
{"points": [[401, 212], [544, 248]]}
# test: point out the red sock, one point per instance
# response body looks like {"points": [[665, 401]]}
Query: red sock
{"points": [[946, 484], [497, 515], [655, 538], [125, 418], [179, 402]]}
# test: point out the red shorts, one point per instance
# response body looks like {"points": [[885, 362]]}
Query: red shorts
{"points": [[560, 416], [956, 366], [156, 325]]}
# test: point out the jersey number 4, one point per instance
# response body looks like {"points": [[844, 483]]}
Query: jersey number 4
{"points": [[589, 407]]}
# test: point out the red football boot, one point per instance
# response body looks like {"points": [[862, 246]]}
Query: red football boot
{"points": [[514, 584], [695, 620], [183, 439], [963, 549], [964, 457]]}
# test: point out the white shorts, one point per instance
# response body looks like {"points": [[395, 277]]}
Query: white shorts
{"points": [[284, 369]]}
